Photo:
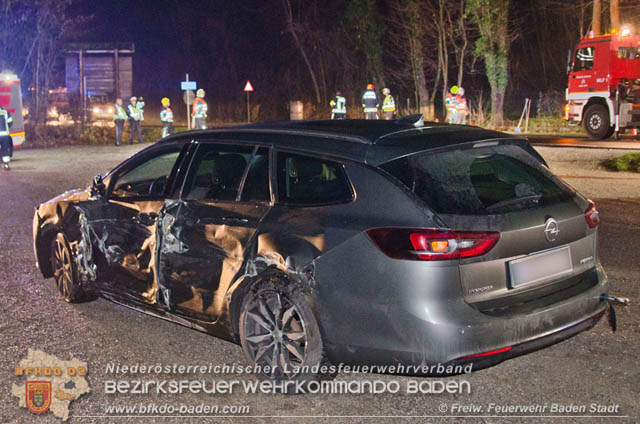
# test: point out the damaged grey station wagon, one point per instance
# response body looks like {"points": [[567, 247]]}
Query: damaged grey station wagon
{"points": [[325, 242]]}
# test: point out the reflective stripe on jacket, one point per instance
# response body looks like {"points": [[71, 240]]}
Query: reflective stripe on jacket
{"points": [[370, 101], [134, 112], [120, 113], [388, 104], [199, 108], [166, 115], [339, 104]]}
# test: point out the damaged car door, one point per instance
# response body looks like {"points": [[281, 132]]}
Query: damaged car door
{"points": [[204, 234], [124, 227]]}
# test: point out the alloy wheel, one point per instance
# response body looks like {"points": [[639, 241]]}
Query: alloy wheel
{"points": [[275, 334]]}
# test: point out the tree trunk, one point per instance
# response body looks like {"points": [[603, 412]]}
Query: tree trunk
{"points": [[291, 27], [497, 103], [595, 20], [615, 15]]}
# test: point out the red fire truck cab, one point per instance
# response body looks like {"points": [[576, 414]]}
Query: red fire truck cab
{"points": [[604, 84]]}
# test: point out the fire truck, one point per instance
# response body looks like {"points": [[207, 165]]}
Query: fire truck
{"points": [[11, 100], [604, 84]]}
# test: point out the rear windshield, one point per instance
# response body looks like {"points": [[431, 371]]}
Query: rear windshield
{"points": [[479, 181]]}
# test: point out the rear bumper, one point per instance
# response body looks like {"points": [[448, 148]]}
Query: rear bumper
{"points": [[414, 314]]}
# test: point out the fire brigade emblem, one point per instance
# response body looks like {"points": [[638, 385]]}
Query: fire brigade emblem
{"points": [[38, 396]]}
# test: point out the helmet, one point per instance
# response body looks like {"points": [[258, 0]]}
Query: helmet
{"points": [[200, 92], [133, 98], [386, 91], [454, 89], [461, 91], [370, 87], [165, 101]]}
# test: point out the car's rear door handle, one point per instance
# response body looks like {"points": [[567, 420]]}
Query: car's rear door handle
{"points": [[234, 220]]}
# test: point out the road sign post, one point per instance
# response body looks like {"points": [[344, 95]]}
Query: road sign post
{"points": [[188, 87], [248, 88]]}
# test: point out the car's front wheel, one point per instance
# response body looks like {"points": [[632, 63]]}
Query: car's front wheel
{"points": [[65, 271], [280, 336]]}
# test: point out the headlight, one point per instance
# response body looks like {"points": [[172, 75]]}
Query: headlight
{"points": [[96, 110]]}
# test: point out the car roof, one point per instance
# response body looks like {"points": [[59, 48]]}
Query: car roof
{"points": [[370, 141]]}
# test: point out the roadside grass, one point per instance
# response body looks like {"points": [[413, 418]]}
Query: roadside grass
{"points": [[64, 135], [545, 124], [60, 135], [629, 162]]}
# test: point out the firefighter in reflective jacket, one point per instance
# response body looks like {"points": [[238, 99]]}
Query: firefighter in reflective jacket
{"points": [[119, 116], [388, 104], [370, 103], [134, 119], [199, 111], [6, 143], [166, 117], [451, 105], [338, 106], [462, 108]]}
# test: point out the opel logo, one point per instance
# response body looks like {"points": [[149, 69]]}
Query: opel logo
{"points": [[551, 230]]}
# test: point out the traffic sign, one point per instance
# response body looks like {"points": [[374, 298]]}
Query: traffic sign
{"points": [[188, 85], [248, 87], [188, 97]]}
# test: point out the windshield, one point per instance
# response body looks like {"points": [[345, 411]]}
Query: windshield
{"points": [[479, 181]]}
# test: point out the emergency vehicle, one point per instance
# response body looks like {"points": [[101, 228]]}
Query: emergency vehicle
{"points": [[604, 84], [11, 100]]}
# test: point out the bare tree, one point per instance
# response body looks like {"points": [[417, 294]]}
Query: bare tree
{"points": [[595, 21], [294, 28]]}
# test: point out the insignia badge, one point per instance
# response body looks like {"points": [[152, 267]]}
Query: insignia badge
{"points": [[38, 396]]}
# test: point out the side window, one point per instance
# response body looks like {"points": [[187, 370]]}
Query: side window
{"points": [[216, 172], [148, 179], [584, 59], [256, 186], [628, 53], [307, 181]]}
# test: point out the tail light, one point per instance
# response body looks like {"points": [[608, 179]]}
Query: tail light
{"points": [[591, 215], [483, 354], [432, 244]]}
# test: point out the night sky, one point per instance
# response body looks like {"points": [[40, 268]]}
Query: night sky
{"points": [[224, 43]]}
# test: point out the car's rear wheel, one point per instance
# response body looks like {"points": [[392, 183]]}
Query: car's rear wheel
{"points": [[596, 122], [280, 336], [65, 272]]}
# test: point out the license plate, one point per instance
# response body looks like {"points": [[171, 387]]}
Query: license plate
{"points": [[540, 267]]}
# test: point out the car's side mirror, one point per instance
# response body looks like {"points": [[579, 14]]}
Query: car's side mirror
{"points": [[98, 188]]}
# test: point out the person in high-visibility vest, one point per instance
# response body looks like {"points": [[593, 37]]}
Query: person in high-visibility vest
{"points": [[119, 117], [370, 102], [338, 106], [166, 117], [134, 119], [140, 104], [462, 108], [388, 104], [6, 142], [199, 111], [451, 105]]}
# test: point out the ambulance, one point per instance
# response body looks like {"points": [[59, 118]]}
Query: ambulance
{"points": [[11, 100]]}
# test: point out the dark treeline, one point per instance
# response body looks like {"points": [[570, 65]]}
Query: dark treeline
{"points": [[306, 49]]}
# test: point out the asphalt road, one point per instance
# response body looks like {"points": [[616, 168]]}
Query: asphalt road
{"points": [[596, 367]]}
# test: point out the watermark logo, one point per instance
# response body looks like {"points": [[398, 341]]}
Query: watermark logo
{"points": [[51, 383], [38, 396]]}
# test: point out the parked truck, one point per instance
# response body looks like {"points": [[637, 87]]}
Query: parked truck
{"points": [[603, 91], [11, 100]]}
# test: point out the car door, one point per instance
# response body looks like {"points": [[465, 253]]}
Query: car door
{"points": [[205, 234], [123, 222]]}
